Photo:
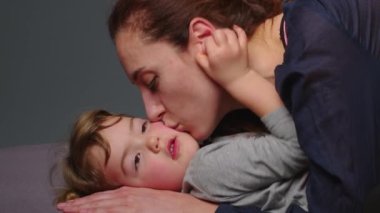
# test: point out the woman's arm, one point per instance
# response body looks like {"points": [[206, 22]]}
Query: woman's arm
{"points": [[130, 199]]}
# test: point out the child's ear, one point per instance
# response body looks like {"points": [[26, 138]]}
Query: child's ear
{"points": [[199, 29]]}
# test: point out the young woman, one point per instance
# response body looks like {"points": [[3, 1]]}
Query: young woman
{"points": [[318, 53]]}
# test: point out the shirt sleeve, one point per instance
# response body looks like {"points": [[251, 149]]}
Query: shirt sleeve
{"points": [[236, 165], [329, 82], [359, 19]]}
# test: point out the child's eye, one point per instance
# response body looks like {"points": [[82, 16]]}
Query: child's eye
{"points": [[143, 127], [152, 85], [137, 161]]}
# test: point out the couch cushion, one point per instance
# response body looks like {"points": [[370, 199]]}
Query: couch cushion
{"points": [[25, 184]]}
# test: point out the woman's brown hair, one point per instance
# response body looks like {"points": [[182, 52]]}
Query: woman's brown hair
{"points": [[169, 20], [82, 176]]}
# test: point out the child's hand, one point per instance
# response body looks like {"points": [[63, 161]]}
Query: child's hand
{"points": [[225, 55]]}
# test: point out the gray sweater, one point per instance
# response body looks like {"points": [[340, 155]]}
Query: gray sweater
{"points": [[268, 171]]}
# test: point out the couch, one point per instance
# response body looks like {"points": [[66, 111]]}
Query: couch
{"points": [[25, 183]]}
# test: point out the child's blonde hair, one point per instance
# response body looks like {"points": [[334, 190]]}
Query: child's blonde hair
{"points": [[81, 174]]}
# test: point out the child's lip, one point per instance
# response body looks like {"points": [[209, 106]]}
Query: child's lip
{"points": [[173, 148]]}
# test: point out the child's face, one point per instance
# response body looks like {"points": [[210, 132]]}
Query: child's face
{"points": [[144, 154]]}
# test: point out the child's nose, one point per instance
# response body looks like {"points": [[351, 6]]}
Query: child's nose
{"points": [[153, 144]]}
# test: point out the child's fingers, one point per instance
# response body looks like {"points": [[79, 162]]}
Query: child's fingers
{"points": [[219, 37], [210, 44], [241, 35], [202, 60], [231, 36]]}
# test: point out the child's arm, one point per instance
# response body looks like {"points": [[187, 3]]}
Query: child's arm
{"points": [[248, 169], [252, 168], [225, 60]]}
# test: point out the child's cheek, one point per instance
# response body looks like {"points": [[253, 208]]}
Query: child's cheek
{"points": [[163, 174]]}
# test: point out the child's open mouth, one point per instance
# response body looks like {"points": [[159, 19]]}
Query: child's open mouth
{"points": [[173, 148]]}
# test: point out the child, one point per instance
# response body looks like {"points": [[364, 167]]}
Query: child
{"points": [[108, 151], [266, 170]]}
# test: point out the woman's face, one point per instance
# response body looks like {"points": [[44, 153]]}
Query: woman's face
{"points": [[144, 154], [174, 88]]}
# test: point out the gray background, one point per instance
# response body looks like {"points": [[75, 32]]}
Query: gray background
{"points": [[56, 61]]}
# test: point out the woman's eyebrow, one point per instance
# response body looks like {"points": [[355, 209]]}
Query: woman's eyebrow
{"points": [[135, 74]]}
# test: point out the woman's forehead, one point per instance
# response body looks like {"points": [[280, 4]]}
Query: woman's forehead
{"points": [[150, 56]]}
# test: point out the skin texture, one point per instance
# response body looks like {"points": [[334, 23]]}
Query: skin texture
{"points": [[225, 60], [173, 86], [144, 154], [225, 56], [137, 200]]}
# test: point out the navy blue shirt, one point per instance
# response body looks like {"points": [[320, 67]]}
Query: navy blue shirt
{"points": [[330, 82]]}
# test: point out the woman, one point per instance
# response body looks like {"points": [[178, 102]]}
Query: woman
{"points": [[319, 53]]}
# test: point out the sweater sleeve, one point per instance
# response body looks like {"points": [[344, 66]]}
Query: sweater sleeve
{"points": [[235, 165]]}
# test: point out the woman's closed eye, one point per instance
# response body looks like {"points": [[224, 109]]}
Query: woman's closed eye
{"points": [[149, 80], [153, 84], [137, 161]]}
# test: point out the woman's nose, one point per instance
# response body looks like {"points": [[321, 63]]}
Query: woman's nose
{"points": [[153, 144], [153, 107]]}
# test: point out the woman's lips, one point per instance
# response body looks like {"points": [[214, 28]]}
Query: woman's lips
{"points": [[180, 128], [173, 147]]}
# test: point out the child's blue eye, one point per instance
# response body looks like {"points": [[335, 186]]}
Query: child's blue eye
{"points": [[137, 161], [143, 127]]}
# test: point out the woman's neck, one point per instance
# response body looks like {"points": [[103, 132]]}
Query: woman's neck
{"points": [[265, 47]]}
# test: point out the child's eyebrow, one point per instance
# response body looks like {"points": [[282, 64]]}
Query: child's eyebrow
{"points": [[125, 152], [124, 155]]}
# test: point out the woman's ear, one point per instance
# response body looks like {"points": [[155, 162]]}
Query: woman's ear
{"points": [[199, 29]]}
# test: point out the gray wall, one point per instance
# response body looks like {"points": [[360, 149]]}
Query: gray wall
{"points": [[57, 60]]}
